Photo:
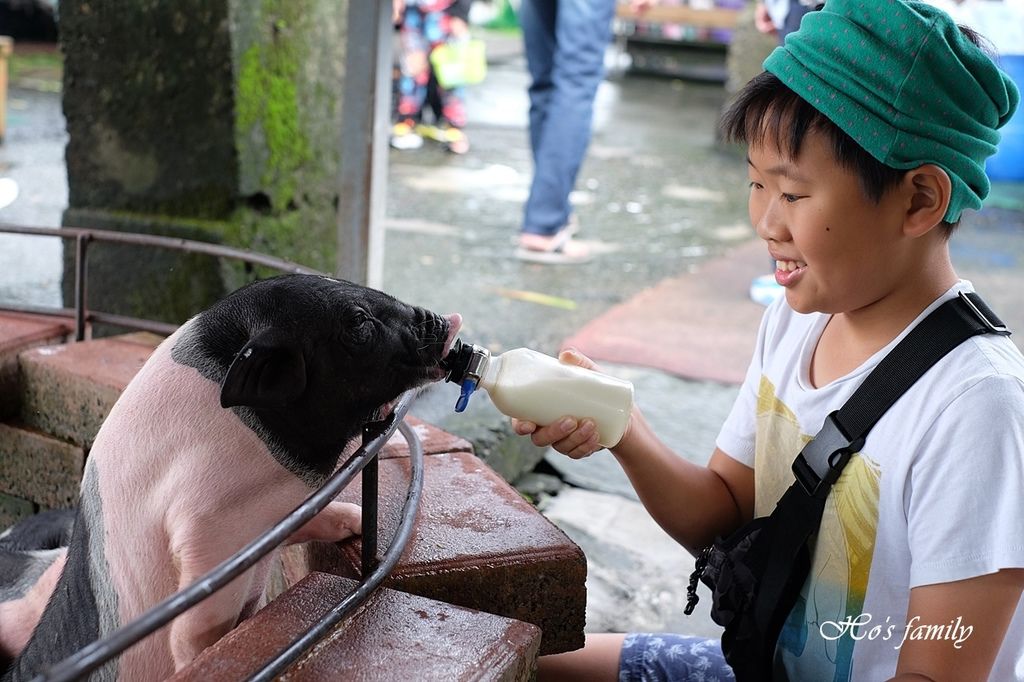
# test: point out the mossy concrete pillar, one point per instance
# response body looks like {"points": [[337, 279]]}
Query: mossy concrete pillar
{"points": [[748, 48], [217, 120]]}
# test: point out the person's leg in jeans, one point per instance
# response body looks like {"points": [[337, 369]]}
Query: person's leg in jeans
{"points": [[565, 44], [797, 10], [639, 657], [537, 19]]}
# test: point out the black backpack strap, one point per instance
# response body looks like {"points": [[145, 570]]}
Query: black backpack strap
{"points": [[821, 461], [843, 433]]}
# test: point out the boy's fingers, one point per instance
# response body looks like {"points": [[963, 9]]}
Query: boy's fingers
{"points": [[551, 434], [579, 442], [571, 356], [585, 450], [523, 427]]}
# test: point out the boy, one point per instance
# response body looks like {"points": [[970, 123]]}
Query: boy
{"points": [[866, 139]]}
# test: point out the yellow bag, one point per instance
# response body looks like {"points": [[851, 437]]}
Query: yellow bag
{"points": [[459, 62]]}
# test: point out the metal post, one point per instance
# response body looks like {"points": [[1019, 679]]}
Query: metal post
{"points": [[369, 495], [81, 281], [366, 114]]}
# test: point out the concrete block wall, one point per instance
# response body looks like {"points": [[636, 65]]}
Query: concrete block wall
{"points": [[25, 481], [53, 397], [478, 547]]}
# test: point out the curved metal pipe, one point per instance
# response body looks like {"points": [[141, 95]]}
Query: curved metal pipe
{"points": [[99, 652], [173, 243], [370, 582], [84, 237]]}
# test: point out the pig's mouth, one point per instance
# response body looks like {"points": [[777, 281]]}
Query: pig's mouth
{"points": [[431, 374], [437, 372], [454, 325]]}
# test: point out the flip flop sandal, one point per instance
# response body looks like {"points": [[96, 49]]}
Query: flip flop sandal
{"points": [[561, 250], [573, 225]]}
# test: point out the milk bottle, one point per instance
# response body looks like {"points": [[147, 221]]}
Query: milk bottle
{"points": [[528, 385]]}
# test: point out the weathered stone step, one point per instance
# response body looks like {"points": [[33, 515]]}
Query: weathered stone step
{"points": [[477, 543], [393, 636], [19, 332], [39, 468], [67, 390]]}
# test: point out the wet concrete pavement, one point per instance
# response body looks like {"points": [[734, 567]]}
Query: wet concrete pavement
{"points": [[658, 199], [654, 195]]}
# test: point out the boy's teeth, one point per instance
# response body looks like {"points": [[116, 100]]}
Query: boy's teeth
{"points": [[789, 265]]}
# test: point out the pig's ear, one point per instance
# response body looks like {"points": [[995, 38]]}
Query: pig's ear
{"points": [[268, 372]]}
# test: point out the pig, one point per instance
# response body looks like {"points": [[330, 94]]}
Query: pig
{"points": [[234, 420], [27, 550]]}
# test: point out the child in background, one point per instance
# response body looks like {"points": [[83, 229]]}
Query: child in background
{"points": [[423, 26]]}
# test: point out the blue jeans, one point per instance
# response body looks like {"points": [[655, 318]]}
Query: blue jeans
{"points": [[797, 10], [565, 42], [663, 657]]}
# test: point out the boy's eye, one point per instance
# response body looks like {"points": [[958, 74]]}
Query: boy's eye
{"points": [[789, 198], [755, 185]]}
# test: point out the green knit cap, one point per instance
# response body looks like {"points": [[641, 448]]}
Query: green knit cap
{"points": [[902, 80]]}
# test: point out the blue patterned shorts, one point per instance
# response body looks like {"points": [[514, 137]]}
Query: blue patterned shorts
{"points": [[663, 657]]}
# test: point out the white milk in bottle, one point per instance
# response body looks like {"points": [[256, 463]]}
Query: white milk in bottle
{"points": [[528, 385]]}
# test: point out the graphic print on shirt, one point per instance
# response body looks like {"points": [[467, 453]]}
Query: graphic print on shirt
{"points": [[841, 564]]}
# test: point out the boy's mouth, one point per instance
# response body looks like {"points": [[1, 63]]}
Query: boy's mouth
{"points": [[787, 272], [789, 265]]}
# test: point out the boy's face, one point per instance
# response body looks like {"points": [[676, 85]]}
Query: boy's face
{"points": [[835, 249]]}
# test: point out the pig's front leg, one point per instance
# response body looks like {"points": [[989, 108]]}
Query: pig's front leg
{"points": [[215, 616], [337, 521]]}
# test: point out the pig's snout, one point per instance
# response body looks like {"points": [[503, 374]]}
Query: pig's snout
{"points": [[454, 325], [437, 334]]}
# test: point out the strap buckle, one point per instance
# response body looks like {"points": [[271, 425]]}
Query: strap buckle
{"points": [[821, 461], [993, 324]]}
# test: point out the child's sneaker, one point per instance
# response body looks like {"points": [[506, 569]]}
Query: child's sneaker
{"points": [[430, 132], [404, 136], [456, 141]]}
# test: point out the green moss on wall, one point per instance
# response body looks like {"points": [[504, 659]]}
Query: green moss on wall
{"points": [[296, 235], [267, 100]]}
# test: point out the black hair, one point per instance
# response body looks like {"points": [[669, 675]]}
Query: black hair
{"points": [[766, 110]]}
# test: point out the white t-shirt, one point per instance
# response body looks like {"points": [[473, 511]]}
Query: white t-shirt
{"points": [[935, 495]]}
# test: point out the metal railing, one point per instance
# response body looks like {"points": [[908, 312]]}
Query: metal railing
{"points": [[82, 237], [374, 569]]}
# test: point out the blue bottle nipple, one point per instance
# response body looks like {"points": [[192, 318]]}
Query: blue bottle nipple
{"points": [[468, 387]]}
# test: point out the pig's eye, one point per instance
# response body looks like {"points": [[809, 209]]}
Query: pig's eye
{"points": [[360, 328]]}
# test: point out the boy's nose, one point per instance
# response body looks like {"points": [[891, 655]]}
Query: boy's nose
{"points": [[769, 225]]}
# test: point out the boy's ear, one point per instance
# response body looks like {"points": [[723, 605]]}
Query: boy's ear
{"points": [[269, 372], [929, 188]]}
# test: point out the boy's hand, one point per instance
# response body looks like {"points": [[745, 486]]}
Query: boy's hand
{"points": [[571, 436]]}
